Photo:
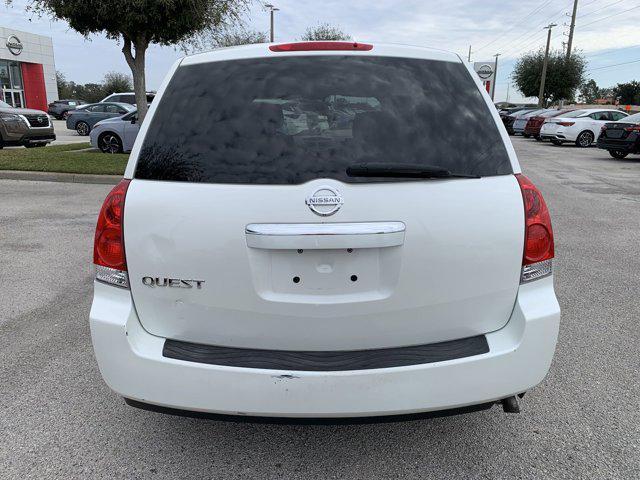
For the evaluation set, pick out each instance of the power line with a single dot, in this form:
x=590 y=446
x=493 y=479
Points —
x=609 y=16
x=609 y=51
x=517 y=41
x=613 y=65
x=601 y=8
x=536 y=10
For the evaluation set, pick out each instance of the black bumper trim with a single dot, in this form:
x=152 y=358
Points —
x=308 y=420
x=325 y=361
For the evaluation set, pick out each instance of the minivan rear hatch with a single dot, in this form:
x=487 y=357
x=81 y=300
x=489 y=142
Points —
x=244 y=228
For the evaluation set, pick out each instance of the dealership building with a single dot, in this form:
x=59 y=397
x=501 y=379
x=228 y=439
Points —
x=27 y=69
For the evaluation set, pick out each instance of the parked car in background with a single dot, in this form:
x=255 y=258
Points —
x=534 y=124
x=509 y=119
x=115 y=135
x=59 y=108
x=291 y=244
x=127 y=97
x=579 y=126
x=24 y=126
x=520 y=121
x=622 y=137
x=82 y=121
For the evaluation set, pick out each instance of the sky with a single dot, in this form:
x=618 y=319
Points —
x=606 y=33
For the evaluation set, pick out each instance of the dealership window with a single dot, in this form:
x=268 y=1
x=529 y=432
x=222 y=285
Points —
x=15 y=74
x=5 y=82
x=11 y=85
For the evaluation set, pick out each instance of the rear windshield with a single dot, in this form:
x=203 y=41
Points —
x=631 y=118
x=295 y=119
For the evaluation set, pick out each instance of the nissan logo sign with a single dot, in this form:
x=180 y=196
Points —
x=14 y=45
x=485 y=71
x=324 y=201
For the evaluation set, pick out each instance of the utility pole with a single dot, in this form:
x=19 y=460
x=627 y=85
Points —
x=271 y=10
x=508 y=85
x=544 y=66
x=572 y=27
x=495 y=76
x=469 y=54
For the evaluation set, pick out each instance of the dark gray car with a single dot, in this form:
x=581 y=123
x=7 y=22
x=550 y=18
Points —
x=83 y=120
x=60 y=108
x=24 y=126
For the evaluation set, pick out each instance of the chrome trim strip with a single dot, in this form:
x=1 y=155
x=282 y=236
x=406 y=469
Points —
x=302 y=229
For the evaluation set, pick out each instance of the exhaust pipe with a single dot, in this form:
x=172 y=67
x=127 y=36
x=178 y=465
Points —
x=510 y=405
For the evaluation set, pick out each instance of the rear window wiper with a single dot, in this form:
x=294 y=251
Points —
x=402 y=170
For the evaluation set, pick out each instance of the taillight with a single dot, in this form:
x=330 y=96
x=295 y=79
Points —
x=566 y=124
x=108 y=247
x=538 y=234
x=309 y=46
x=635 y=128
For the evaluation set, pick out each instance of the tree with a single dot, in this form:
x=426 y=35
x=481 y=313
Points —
x=140 y=23
x=224 y=38
x=628 y=93
x=589 y=92
x=324 y=31
x=116 y=82
x=564 y=75
x=64 y=88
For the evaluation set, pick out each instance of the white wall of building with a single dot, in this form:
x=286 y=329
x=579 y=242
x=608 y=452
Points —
x=36 y=49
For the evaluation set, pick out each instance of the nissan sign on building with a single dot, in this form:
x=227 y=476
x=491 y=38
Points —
x=485 y=71
x=27 y=70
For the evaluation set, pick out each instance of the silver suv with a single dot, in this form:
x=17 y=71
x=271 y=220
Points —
x=24 y=126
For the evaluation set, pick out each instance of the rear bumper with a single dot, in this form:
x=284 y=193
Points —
x=132 y=363
x=619 y=145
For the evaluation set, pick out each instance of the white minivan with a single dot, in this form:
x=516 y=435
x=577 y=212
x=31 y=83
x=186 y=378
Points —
x=323 y=230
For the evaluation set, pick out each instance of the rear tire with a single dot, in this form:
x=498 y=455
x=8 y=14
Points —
x=538 y=138
x=109 y=142
x=619 y=154
x=83 y=129
x=526 y=135
x=556 y=142
x=585 y=139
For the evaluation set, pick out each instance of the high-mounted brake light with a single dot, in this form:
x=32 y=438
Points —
x=108 y=247
x=538 y=234
x=310 y=46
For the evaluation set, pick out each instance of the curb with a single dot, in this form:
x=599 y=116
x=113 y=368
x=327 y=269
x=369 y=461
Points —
x=60 y=177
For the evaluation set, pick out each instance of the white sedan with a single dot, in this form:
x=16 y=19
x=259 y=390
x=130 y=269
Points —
x=579 y=126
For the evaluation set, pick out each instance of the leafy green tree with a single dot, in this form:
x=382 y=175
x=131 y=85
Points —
x=324 y=31
x=136 y=24
x=628 y=93
x=589 y=92
x=225 y=38
x=116 y=82
x=564 y=76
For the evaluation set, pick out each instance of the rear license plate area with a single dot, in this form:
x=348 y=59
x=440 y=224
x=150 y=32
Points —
x=325 y=272
x=614 y=133
x=325 y=275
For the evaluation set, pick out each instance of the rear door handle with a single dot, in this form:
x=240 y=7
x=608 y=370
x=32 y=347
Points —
x=292 y=236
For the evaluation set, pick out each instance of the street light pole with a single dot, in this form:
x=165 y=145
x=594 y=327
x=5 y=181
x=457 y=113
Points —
x=544 y=66
x=271 y=10
x=495 y=76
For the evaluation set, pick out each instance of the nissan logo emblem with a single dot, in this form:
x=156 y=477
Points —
x=324 y=201
x=485 y=71
x=14 y=45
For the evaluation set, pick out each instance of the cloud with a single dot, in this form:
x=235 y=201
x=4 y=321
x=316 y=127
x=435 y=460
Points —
x=511 y=27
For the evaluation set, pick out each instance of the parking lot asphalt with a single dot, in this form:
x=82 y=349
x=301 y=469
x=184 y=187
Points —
x=64 y=135
x=59 y=420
